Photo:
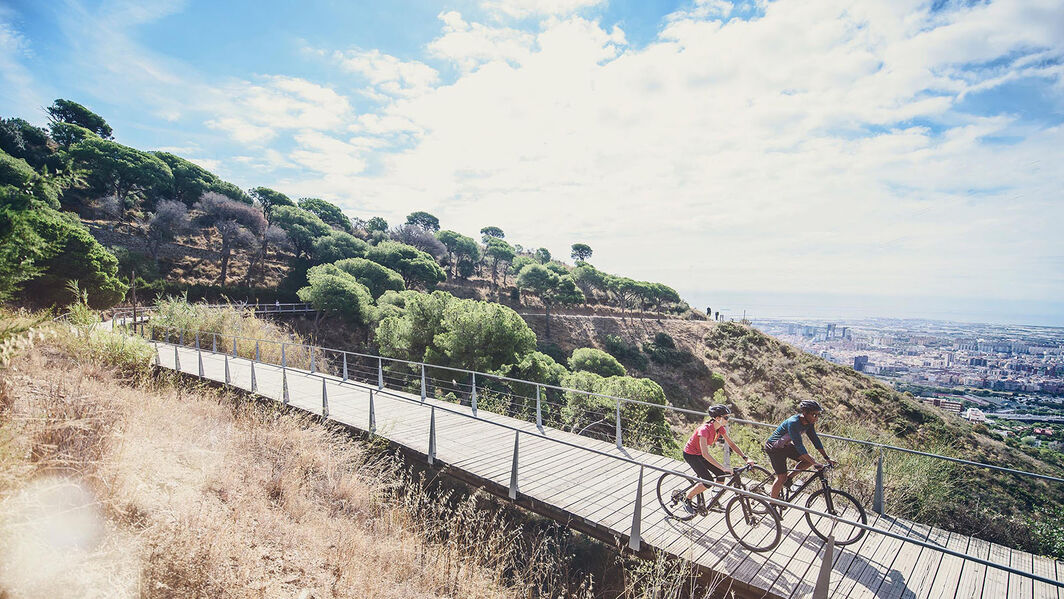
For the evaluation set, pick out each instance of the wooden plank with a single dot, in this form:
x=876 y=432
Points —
x=896 y=582
x=849 y=562
x=874 y=568
x=1020 y=586
x=1043 y=566
x=903 y=557
x=924 y=569
x=996 y=582
x=970 y=583
x=786 y=564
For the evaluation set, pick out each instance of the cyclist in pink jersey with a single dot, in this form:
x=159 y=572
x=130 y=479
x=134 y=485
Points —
x=696 y=452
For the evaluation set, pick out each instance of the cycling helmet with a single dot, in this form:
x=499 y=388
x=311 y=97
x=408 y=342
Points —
x=718 y=410
x=810 y=405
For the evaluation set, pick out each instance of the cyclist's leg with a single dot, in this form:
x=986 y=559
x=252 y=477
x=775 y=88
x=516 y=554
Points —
x=778 y=459
x=703 y=469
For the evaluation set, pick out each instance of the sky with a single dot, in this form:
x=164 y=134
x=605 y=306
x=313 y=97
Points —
x=887 y=149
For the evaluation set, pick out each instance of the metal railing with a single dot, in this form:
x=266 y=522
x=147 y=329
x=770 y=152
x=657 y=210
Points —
x=602 y=416
x=635 y=540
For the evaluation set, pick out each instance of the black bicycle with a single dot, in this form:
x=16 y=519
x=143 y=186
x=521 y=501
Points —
x=751 y=520
x=822 y=498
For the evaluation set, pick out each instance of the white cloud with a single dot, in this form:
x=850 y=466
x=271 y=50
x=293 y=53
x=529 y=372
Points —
x=528 y=8
x=471 y=44
x=388 y=74
x=257 y=112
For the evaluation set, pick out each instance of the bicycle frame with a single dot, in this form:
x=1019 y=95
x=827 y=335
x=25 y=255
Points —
x=818 y=474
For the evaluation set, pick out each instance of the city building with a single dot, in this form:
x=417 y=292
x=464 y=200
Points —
x=975 y=415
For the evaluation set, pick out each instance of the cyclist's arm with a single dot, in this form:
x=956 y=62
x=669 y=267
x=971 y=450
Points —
x=815 y=440
x=704 y=446
x=734 y=447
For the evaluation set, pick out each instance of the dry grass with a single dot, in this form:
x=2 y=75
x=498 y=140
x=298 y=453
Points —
x=197 y=498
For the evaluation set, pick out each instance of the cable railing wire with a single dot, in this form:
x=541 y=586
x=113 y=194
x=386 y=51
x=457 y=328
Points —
x=676 y=409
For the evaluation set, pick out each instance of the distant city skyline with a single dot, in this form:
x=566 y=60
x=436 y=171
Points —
x=879 y=148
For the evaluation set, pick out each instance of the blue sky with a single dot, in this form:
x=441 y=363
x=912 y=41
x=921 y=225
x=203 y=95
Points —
x=889 y=148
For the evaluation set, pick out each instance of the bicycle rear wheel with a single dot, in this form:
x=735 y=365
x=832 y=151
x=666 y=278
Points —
x=843 y=505
x=672 y=488
x=753 y=523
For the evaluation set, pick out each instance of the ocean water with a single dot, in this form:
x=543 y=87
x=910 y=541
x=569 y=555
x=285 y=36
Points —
x=732 y=304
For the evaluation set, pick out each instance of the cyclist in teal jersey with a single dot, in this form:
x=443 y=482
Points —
x=786 y=443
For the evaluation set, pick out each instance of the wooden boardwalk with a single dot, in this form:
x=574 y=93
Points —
x=598 y=492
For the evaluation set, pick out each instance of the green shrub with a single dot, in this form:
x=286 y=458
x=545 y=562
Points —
x=597 y=361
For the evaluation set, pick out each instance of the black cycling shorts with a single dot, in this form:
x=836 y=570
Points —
x=778 y=457
x=702 y=467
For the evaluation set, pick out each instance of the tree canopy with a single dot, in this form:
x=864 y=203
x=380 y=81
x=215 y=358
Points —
x=124 y=172
x=42 y=250
x=416 y=267
x=333 y=291
x=337 y=245
x=377 y=279
x=597 y=361
x=581 y=251
x=487 y=233
x=270 y=199
x=303 y=228
x=424 y=220
x=66 y=111
x=328 y=212
x=542 y=255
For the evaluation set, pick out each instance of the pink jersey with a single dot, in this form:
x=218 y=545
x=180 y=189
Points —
x=708 y=431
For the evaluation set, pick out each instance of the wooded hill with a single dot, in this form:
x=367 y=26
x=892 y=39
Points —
x=75 y=205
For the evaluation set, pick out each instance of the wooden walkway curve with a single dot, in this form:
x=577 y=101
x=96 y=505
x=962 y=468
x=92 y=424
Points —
x=597 y=493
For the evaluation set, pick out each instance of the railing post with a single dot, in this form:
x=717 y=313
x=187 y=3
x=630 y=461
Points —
x=254 y=384
x=284 y=359
x=258 y=356
x=513 y=467
x=324 y=400
x=635 y=539
x=197 y=339
x=473 y=397
x=177 y=360
x=234 y=346
x=380 y=374
x=345 y=366
x=372 y=418
x=539 y=411
x=284 y=387
x=823 y=580
x=157 y=362
x=199 y=356
x=181 y=337
x=877 y=499
x=423 y=382
x=727 y=449
x=312 y=358
x=432 y=436
x=227 y=379
x=214 y=342
x=620 y=443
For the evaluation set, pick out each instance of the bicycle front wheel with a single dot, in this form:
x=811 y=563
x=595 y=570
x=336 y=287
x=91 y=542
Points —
x=672 y=489
x=753 y=523
x=837 y=503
